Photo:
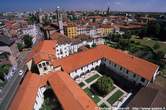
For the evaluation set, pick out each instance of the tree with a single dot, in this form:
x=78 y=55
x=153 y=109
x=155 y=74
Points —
x=143 y=32
x=123 y=44
x=115 y=37
x=157 y=29
x=127 y=35
x=160 y=54
x=156 y=46
x=20 y=46
x=32 y=19
x=4 y=70
x=27 y=41
x=104 y=85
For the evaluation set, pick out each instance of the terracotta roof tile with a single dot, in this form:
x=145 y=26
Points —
x=26 y=95
x=43 y=51
x=71 y=96
x=136 y=65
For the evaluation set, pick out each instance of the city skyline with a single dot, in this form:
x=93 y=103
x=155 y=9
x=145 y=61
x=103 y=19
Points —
x=115 y=5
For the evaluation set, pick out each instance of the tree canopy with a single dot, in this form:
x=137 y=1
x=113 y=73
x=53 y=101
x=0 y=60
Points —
x=155 y=29
x=27 y=41
x=4 y=70
x=104 y=85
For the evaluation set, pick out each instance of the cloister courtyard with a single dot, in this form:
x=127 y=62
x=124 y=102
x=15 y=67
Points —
x=115 y=98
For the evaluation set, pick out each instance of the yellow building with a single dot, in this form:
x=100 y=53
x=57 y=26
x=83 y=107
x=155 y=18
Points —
x=70 y=30
x=106 y=29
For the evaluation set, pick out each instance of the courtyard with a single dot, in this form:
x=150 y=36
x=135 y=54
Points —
x=115 y=98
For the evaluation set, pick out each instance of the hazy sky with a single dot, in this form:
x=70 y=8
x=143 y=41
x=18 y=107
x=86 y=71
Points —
x=116 y=5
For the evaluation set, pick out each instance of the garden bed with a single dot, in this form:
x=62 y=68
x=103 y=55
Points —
x=81 y=84
x=115 y=97
x=92 y=95
x=103 y=105
x=92 y=78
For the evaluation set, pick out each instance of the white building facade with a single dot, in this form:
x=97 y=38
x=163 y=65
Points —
x=64 y=50
x=34 y=31
x=114 y=67
x=39 y=98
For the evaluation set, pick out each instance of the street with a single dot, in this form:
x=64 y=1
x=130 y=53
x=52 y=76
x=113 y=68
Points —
x=12 y=85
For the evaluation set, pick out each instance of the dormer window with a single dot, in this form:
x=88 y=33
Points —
x=43 y=64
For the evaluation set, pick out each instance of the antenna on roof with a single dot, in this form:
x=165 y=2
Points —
x=108 y=9
x=58 y=7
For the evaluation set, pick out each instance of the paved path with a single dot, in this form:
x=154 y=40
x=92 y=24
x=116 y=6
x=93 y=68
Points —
x=89 y=84
x=103 y=100
x=108 y=96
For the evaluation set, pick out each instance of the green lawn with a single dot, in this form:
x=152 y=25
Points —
x=103 y=105
x=92 y=78
x=115 y=97
x=81 y=84
x=151 y=43
x=96 y=99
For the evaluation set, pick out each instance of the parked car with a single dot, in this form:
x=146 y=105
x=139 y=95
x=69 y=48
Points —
x=20 y=72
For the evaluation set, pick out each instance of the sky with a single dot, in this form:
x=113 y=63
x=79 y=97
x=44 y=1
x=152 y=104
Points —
x=115 y=5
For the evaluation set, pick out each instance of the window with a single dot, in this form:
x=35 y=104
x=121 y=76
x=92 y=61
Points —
x=47 y=63
x=45 y=68
x=43 y=64
x=40 y=65
x=142 y=79
x=61 y=52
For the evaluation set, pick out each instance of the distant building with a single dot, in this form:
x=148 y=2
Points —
x=33 y=31
x=49 y=29
x=131 y=27
x=66 y=46
x=8 y=46
x=82 y=30
x=70 y=30
x=59 y=20
x=106 y=29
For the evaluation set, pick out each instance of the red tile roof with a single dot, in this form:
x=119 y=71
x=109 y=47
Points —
x=70 y=94
x=26 y=95
x=43 y=51
x=106 y=26
x=136 y=65
x=130 y=26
